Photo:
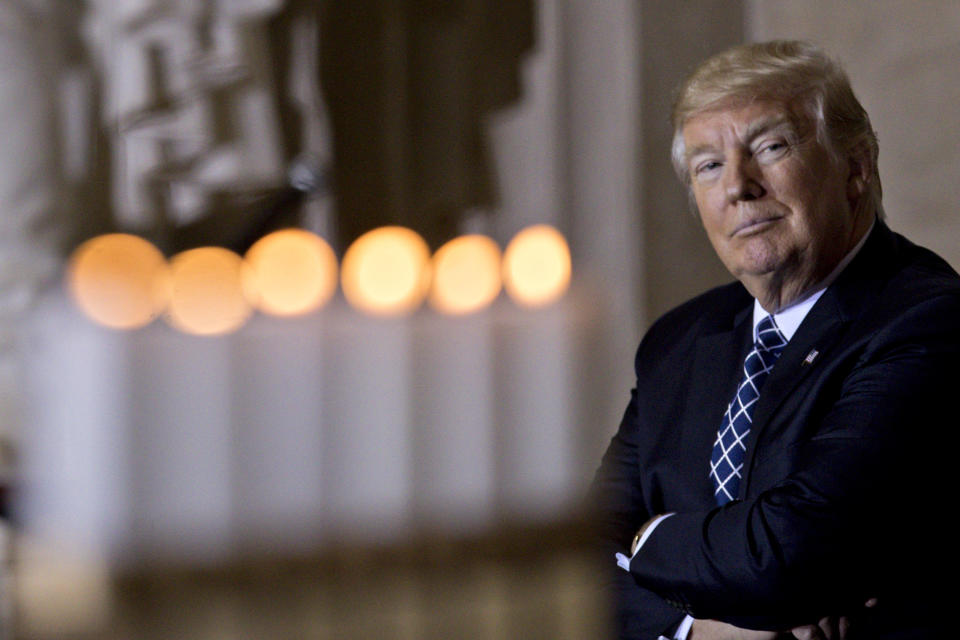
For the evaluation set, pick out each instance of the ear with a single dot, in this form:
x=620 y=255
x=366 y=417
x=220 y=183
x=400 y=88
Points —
x=860 y=173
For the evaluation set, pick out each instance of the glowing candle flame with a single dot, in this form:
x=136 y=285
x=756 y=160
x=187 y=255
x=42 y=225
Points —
x=292 y=272
x=536 y=266
x=466 y=275
x=118 y=280
x=386 y=271
x=207 y=296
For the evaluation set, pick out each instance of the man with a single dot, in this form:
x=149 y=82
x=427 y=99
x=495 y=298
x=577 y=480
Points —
x=784 y=459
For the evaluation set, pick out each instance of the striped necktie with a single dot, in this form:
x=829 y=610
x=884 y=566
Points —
x=726 y=462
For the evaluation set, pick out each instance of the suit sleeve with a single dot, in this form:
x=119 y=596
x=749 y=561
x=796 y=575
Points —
x=638 y=613
x=822 y=539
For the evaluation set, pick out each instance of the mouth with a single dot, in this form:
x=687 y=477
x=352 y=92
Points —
x=754 y=225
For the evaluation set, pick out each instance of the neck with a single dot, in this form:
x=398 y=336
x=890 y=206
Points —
x=774 y=295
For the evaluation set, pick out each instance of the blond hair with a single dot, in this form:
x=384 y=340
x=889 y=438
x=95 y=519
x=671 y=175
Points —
x=792 y=73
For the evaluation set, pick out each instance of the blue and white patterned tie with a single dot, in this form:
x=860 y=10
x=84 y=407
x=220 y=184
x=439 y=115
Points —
x=726 y=462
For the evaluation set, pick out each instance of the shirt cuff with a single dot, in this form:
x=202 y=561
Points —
x=684 y=629
x=622 y=560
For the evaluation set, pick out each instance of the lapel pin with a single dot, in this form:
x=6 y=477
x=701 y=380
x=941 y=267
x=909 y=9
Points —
x=811 y=357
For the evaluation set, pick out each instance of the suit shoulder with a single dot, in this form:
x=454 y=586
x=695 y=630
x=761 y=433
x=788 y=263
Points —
x=710 y=312
x=905 y=291
x=923 y=275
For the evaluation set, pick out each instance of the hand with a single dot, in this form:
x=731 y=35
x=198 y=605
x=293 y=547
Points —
x=716 y=630
x=829 y=628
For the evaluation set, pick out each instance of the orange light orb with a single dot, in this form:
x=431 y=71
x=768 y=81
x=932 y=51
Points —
x=207 y=296
x=291 y=272
x=118 y=280
x=386 y=271
x=466 y=275
x=536 y=266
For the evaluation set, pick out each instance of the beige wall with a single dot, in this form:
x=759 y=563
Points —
x=901 y=57
x=677 y=262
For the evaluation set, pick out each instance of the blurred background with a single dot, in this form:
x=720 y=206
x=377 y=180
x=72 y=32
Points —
x=214 y=465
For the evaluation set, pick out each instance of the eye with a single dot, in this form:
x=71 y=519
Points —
x=706 y=167
x=773 y=149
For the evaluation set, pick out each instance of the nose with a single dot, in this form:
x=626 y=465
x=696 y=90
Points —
x=742 y=181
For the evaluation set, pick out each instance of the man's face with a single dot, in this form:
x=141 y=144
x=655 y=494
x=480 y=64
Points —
x=773 y=202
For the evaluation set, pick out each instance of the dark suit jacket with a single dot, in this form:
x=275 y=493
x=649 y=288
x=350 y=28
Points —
x=847 y=479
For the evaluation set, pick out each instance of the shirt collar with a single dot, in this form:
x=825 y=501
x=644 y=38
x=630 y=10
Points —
x=789 y=318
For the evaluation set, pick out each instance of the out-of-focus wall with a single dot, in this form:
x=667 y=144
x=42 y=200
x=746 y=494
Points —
x=678 y=262
x=28 y=182
x=901 y=59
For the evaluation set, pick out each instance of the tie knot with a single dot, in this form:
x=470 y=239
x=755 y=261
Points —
x=769 y=336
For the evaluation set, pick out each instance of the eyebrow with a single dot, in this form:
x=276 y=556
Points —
x=758 y=128
x=754 y=130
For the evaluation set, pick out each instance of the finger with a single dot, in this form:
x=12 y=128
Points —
x=828 y=626
x=807 y=632
x=872 y=602
x=844 y=626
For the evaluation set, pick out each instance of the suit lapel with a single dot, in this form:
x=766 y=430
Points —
x=806 y=351
x=818 y=335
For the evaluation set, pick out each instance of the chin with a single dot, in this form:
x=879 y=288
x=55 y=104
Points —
x=761 y=259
